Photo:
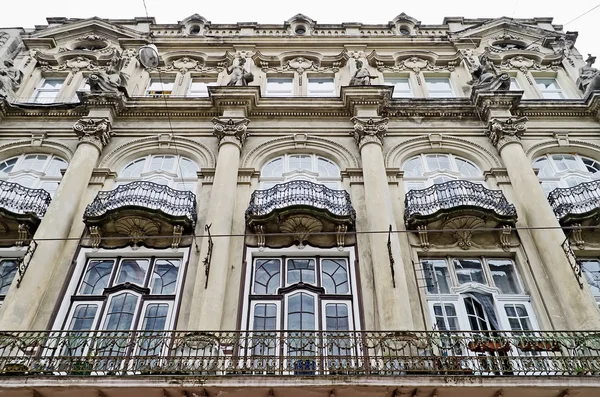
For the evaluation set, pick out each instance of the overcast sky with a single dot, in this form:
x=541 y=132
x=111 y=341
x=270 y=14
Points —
x=34 y=12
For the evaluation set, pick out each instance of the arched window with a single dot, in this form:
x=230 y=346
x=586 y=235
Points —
x=36 y=171
x=565 y=170
x=425 y=170
x=308 y=167
x=177 y=172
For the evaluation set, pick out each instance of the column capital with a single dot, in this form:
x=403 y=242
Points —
x=371 y=130
x=502 y=131
x=231 y=130
x=111 y=101
x=96 y=131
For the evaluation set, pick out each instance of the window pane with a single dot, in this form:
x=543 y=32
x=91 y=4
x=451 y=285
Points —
x=466 y=168
x=119 y=316
x=199 y=88
x=134 y=169
x=591 y=165
x=301 y=312
x=591 y=271
x=469 y=270
x=336 y=317
x=543 y=164
x=300 y=271
x=439 y=87
x=267 y=276
x=514 y=85
x=8 y=269
x=265 y=317
x=445 y=320
x=318 y=86
x=83 y=317
x=436 y=276
x=413 y=167
x=549 y=88
x=327 y=168
x=401 y=86
x=504 y=275
x=476 y=315
x=96 y=277
x=155 y=317
x=280 y=86
x=187 y=168
x=273 y=168
x=438 y=162
x=335 y=276
x=53 y=83
x=55 y=166
x=133 y=271
x=8 y=165
x=164 y=277
x=517 y=317
x=565 y=162
x=300 y=162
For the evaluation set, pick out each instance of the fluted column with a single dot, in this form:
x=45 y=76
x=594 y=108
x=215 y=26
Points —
x=578 y=307
x=393 y=309
x=22 y=304
x=211 y=287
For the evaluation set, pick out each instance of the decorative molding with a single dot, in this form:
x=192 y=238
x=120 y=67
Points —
x=100 y=175
x=499 y=174
x=463 y=229
x=369 y=130
x=299 y=65
x=355 y=175
x=231 y=130
x=245 y=175
x=416 y=64
x=502 y=132
x=300 y=227
x=37 y=138
x=95 y=131
x=188 y=64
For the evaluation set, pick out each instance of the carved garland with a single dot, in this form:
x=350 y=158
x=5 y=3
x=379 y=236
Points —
x=415 y=64
x=300 y=65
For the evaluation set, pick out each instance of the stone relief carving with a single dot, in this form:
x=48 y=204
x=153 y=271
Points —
x=10 y=79
x=300 y=65
x=485 y=75
x=96 y=131
x=362 y=75
x=369 y=130
x=589 y=77
x=415 y=64
x=463 y=228
x=111 y=79
x=300 y=227
x=500 y=132
x=239 y=75
x=233 y=131
x=524 y=64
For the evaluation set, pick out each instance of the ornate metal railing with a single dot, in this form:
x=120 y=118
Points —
x=575 y=200
x=23 y=200
x=176 y=203
x=452 y=194
x=275 y=353
x=337 y=202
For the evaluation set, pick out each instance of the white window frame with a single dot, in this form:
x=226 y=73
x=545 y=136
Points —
x=40 y=176
x=559 y=177
x=451 y=91
x=393 y=81
x=206 y=81
x=427 y=176
x=312 y=92
x=270 y=92
x=174 y=176
x=560 y=91
x=162 y=83
x=312 y=175
x=35 y=98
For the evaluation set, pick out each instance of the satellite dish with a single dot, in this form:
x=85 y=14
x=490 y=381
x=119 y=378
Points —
x=148 y=55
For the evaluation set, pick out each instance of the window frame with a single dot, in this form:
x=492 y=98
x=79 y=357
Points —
x=559 y=178
x=288 y=174
x=321 y=93
x=41 y=176
x=541 y=92
x=392 y=81
x=429 y=77
x=280 y=93
x=174 y=176
x=39 y=88
x=427 y=176
x=162 y=81
x=207 y=81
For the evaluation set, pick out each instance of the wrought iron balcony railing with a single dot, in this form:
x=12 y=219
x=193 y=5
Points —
x=175 y=203
x=304 y=193
x=318 y=353
x=446 y=196
x=22 y=200
x=581 y=199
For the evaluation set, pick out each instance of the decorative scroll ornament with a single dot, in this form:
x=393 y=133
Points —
x=500 y=132
x=186 y=64
x=96 y=131
x=300 y=65
x=232 y=131
x=371 y=130
x=415 y=64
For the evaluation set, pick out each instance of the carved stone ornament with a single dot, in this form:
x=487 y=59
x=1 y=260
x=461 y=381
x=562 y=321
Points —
x=231 y=130
x=500 y=132
x=369 y=130
x=300 y=65
x=96 y=131
x=463 y=229
x=415 y=64
x=300 y=228
x=485 y=75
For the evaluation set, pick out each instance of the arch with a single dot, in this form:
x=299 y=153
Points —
x=584 y=148
x=16 y=148
x=122 y=155
x=469 y=150
x=270 y=149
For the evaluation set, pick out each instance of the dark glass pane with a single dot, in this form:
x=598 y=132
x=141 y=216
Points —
x=155 y=317
x=301 y=271
x=267 y=276
x=8 y=269
x=83 y=318
x=504 y=275
x=469 y=270
x=96 y=277
x=133 y=271
x=164 y=277
x=120 y=312
x=335 y=276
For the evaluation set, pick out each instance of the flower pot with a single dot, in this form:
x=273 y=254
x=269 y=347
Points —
x=487 y=346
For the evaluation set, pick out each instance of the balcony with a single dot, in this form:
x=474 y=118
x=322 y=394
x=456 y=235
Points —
x=577 y=204
x=301 y=212
x=21 y=210
x=301 y=353
x=141 y=213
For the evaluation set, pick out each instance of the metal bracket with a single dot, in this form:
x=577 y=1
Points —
x=572 y=259
x=389 y=246
x=25 y=260
x=206 y=261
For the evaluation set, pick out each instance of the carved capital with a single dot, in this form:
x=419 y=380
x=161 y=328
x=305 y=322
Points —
x=369 y=130
x=95 y=131
x=231 y=130
x=504 y=131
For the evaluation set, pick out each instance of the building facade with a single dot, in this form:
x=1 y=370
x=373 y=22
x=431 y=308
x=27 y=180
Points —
x=335 y=210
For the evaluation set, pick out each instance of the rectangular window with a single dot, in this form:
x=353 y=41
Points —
x=47 y=91
x=469 y=271
x=402 y=88
x=439 y=87
x=549 y=88
x=199 y=87
x=514 y=84
x=321 y=86
x=591 y=271
x=8 y=271
x=517 y=317
x=504 y=276
x=280 y=86
x=160 y=87
x=437 y=276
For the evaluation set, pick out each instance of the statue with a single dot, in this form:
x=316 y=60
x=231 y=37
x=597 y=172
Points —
x=10 y=79
x=239 y=75
x=110 y=80
x=361 y=76
x=589 y=77
x=486 y=76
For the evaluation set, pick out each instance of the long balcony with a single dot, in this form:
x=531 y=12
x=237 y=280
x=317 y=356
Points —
x=300 y=353
x=458 y=197
x=138 y=211
x=576 y=204
x=298 y=208
x=21 y=210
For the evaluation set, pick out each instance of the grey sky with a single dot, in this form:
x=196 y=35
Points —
x=323 y=11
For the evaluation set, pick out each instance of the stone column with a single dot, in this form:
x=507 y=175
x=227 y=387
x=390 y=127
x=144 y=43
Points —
x=578 y=307
x=393 y=308
x=231 y=133
x=23 y=304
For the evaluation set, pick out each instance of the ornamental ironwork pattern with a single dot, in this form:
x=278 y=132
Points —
x=306 y=193
x=577 y=200
x=454 y=194
x=23 y=200
x=150 y=195
x=284 y=353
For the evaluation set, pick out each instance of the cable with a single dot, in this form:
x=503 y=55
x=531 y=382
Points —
x=585 y=13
